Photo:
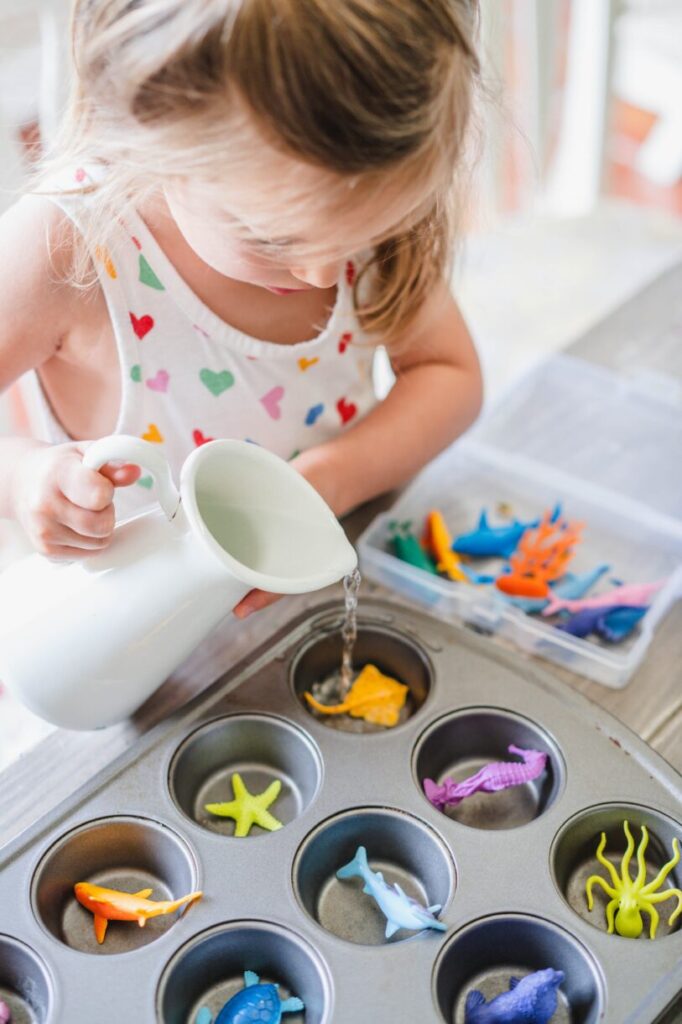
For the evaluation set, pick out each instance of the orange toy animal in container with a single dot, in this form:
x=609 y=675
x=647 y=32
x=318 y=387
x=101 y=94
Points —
x=542 y=556
x=112 y=905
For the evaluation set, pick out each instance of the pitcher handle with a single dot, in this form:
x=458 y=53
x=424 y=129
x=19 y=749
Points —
x=125 y=448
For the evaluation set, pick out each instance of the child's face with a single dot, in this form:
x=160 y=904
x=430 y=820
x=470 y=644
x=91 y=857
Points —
x=280 y=225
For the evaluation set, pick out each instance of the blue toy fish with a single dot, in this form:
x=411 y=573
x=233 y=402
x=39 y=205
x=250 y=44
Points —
x=571 y=587
x=491 y=541
x=530 y=1000
x=256 y=1002
x=613 y=622
x=400 y=910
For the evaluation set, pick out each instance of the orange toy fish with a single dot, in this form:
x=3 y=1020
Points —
x=438 y=542
x=113 y=905
x=541 y=557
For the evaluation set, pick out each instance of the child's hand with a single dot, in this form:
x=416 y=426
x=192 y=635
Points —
x=65 y=508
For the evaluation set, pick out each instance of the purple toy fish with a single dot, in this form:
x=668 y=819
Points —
x=530 y=1000
x=489 y=779
x=613 y=622
x=632 y=594
x=5 y=1013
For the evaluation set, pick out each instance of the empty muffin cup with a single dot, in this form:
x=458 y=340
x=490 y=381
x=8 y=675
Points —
x=574 y=860
x=209 y=970
x=262 y=749
x=401 y=847
x=460 y=744
x=486 y=954
x=25 y=985
x=318 y=663
x=127 y=854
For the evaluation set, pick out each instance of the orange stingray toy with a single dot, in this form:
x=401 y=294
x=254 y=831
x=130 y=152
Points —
x=373 y=696
x=542 y=556
x=112 y=905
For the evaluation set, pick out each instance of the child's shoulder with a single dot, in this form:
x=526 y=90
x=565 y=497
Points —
x=36 y=298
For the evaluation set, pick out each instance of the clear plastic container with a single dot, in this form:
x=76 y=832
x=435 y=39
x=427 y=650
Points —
x=597 y=441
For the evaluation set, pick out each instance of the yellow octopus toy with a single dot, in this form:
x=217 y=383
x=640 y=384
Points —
x=629 y=898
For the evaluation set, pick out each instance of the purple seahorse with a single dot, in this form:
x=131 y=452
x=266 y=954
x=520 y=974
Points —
x=488 y=779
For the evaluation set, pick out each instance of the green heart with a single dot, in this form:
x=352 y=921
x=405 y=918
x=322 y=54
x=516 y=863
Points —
x=216 y=382
x=148 y=277
x=136 y=373
x=146 y=481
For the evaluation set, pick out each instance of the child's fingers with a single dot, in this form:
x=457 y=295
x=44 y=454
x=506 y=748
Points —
x=254 y=601
x=97 y=525
x=84 y=487
x=53 y=538
x=121 y=474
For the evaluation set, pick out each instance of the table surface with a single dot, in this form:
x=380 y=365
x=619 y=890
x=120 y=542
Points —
x=651 y=704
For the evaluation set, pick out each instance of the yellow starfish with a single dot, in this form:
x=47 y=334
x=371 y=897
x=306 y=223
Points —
x=247 y=809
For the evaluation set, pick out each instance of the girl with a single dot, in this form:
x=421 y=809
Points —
x=248 y=196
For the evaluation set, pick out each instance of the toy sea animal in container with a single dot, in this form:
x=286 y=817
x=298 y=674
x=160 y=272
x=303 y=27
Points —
x=540 y=558
x=630 y=897
x=257 y=1001
x=491 y=778
x=610 y=622
x=530 y=1000
x=399 y=909
x=571 y=586
x=248 y=810
x=438 y=543
x=631 y=594
x=492 y=541
x=112 y=905
x=407 y=548
x=373 y=696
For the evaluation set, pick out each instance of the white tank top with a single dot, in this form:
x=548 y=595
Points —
x=188 y=377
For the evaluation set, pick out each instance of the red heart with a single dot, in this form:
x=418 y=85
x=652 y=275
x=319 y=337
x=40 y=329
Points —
x=346 y=410
x=350 y=272
x=199 y=438
x=80 y=175
x=346 y=340
x=142 y=325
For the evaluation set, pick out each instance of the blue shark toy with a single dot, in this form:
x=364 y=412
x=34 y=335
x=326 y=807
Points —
x=488 y=541
x=400 y=910
x=256 y=1002
x=530 y=1000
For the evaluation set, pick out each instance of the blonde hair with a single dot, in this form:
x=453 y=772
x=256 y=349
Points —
x=369 y=91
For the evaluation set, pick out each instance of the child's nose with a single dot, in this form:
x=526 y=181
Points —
x=319 y=277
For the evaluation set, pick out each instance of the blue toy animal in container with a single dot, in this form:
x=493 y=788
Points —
x=257 y=1002
x=530 y=1000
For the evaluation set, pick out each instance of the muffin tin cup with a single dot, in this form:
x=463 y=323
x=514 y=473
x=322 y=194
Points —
x=487 y=953
x=573 y=860
x=123 y=853
x=393 y=654
x=25 y=984
x=209 y=970
x=459 y=744
x=404 y=849
x=262 y=749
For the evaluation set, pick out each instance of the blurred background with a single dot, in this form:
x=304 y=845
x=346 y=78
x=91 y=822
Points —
x=577 y=198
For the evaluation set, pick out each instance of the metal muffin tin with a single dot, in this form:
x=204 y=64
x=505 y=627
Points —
x=507 y=867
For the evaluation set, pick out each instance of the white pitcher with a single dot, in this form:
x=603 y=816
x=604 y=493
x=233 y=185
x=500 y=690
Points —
x=84 y=643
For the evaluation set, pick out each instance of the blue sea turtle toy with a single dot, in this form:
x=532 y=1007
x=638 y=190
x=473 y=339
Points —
x=256 y=1002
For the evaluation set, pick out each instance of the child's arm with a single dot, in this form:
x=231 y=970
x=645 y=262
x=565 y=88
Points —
x=65 y=509
x=436 y=396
